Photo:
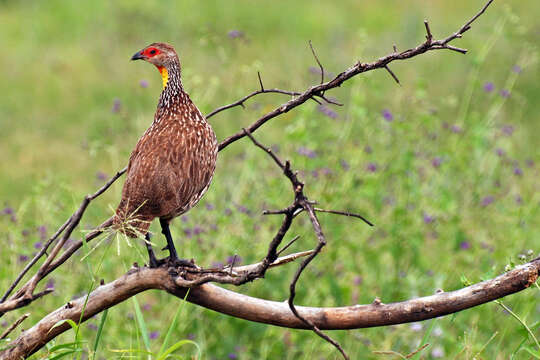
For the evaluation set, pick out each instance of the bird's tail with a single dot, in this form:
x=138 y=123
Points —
x=131 y=224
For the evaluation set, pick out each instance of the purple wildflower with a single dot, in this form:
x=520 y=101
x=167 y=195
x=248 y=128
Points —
x=188 y=232
x=344 y=164
x=23 y=258
x=232 y=356
x=50 y=284
x=25 y=232
x=197 y=230
x=368 y=149
x=233 y=258
x=519 y=199
x=153 y=335
x=185 y=218
x=8 y=211
x=358 y=280
x=500 y=152
x=235 y=34
x=518 y=171
x=437 y=352
x=38 y=245
x=146 y=307
x=371 y=167
x=92 y=326
x=117 y=105
x=428 y=219
x=306 y=152
x=436 y=162
x=209 y=206
x=504 y=93
x=143 y=83
x=42 y=230
x=464 y=245
x=228 y=211
x=100 y=175
x=456 y=129
x=315 y=173
x=4 y=323
x=326 y=171
x=517 y=69
x=489 y=87
x=327 y=111
x=507 y=130
x=190 y=336
x=243 y=209
x=217 y=265
x=487 y=200
x=387 y=115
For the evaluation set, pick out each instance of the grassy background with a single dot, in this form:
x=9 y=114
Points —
x=451 y=182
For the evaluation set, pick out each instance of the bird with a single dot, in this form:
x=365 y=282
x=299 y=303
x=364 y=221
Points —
x=173 y=163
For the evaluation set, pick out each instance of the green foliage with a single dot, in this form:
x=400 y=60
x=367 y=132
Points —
x=444 y=165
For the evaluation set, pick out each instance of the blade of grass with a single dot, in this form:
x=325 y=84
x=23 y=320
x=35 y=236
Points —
x=172 y=326
x=65 y=353
x=141 y=323
x=521 y=321
x=100 y=329
x=425 y=339
x=178 y=345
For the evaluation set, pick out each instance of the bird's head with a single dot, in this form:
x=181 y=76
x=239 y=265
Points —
x=161 y=55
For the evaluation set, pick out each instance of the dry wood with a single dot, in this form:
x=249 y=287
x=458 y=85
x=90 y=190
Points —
x=271 y=312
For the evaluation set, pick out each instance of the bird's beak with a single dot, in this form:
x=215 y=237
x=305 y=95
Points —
x=138 y=56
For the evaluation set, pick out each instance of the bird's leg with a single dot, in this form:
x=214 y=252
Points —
x=170 y=244
x=153 y=262
x=173 y=256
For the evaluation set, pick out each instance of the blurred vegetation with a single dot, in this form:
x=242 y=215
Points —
x=446 y=165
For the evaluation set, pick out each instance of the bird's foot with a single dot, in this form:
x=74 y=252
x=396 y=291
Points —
x=155 y=263
x=176 y=262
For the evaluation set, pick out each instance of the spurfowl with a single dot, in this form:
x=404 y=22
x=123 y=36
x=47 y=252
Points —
x=173 y=162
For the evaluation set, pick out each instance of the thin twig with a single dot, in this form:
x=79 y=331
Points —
x=14 y=325
x=429 y=37
x=392 y=74
x=345 y=213
x=318 y=62
x=245 y=98
x=288 y=244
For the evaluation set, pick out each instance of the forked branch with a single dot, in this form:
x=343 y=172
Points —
x=271 y=312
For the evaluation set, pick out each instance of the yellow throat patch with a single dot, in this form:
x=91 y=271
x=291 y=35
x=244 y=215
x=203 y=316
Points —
x=164 y=75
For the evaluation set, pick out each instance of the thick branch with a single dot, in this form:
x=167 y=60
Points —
x=272 y=312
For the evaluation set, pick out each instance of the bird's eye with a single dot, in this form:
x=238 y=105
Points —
x=153 y=52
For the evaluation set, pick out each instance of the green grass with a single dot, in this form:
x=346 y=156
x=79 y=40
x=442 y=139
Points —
x=64 y=63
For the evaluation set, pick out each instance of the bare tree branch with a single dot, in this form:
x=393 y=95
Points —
x=354 y=70
x=241 y=102
x=71 y=223
x=271 y=312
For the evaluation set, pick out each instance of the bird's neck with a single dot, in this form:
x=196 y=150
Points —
x=173 y=92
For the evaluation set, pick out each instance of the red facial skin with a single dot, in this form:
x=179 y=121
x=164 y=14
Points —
x=151 y=52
